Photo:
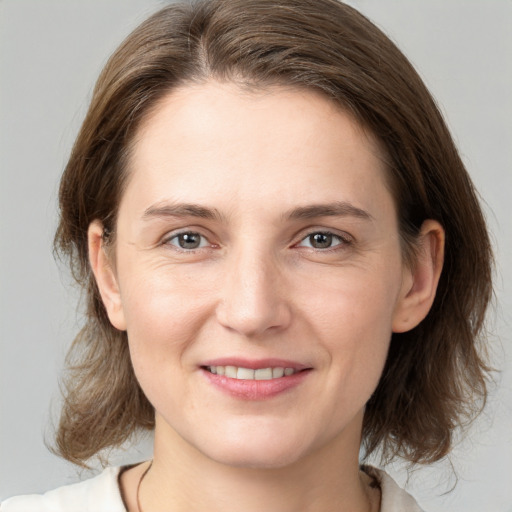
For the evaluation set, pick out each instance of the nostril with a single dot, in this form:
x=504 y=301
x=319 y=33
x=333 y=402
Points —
x=252 y=317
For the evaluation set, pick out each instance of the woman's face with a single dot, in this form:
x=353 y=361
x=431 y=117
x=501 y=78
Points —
x=256 y=238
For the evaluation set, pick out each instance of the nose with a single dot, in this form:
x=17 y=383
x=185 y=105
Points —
x=253 y=297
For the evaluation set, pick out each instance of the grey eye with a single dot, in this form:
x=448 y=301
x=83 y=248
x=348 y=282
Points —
x=188 y=241
x=323 y=240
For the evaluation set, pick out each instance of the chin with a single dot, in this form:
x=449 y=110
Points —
x=257 y=459
x=272 y=451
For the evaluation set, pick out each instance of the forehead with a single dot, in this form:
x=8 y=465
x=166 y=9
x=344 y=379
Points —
x=211 y=140
x=207 y=106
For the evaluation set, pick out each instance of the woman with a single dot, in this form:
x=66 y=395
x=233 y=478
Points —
x=283 y=255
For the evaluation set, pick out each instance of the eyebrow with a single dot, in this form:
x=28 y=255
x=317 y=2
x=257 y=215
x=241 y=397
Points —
x=336 y=209
x=164 y=210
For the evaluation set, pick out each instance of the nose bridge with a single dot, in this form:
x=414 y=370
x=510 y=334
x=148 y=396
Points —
x=253 y=297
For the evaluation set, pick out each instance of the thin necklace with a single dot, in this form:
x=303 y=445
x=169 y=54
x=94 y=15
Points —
x=139 y=508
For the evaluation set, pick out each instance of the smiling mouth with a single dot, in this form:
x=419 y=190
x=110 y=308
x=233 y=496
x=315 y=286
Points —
x=240 y=373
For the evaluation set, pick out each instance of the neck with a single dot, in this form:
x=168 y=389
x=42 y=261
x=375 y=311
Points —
x=183 y=479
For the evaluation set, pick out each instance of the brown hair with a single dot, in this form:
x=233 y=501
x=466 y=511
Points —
x=434 y=378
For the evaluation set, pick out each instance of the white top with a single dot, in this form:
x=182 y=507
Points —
x=102 y=494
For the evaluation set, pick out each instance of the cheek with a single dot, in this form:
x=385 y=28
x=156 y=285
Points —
x=162 y=324
x=157 y=295
x=353 y=301
x=163 y=312
x=352 y=318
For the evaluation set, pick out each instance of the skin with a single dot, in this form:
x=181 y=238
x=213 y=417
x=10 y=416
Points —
x=259 y=286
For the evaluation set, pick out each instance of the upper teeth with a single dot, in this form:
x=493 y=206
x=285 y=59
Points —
x=236 y=372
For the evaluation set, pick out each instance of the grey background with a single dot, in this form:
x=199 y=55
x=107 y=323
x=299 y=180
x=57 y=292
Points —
x=50 y=55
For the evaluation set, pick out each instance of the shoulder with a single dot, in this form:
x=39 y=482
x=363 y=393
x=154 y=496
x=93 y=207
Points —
x=393 y=497
x=98 y=494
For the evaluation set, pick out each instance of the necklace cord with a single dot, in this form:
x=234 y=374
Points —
x=366 y=470
x=139 y=508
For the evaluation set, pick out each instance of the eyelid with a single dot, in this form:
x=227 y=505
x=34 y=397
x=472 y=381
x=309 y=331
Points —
x=344 y=237
x=166 y=239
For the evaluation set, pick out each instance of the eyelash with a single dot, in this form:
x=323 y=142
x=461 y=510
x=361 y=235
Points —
x=168 y=241
x=343 y=241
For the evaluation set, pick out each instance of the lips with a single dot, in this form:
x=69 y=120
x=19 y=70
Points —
x=254 y=380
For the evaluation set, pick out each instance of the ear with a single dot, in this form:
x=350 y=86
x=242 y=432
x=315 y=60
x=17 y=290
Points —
x=420 y=282
x=105 y=276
